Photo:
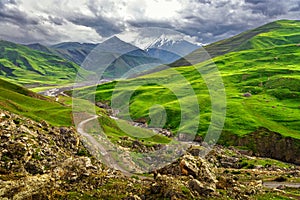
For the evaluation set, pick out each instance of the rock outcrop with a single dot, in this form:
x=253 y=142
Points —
x=266 y=143
x=38 y=161
x=201 y=178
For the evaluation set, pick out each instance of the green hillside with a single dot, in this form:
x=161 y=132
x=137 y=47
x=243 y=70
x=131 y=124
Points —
x=269 y=70
x=277 y=33
x=23 y=65
x=24 y=102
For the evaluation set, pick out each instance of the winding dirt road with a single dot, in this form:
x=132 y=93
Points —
x=277 y=184
x=98 y=147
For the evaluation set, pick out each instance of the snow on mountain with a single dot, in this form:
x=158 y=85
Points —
x=145 y=37
x=163 y=40
x=173 y=44
x=164 y=44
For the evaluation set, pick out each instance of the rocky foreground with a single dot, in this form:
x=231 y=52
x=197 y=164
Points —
x=38 y=161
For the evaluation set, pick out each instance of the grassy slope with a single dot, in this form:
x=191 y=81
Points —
x=22 y=65
x=24 y=102
x=269 y=70
x=272 y=34
x=29 y=104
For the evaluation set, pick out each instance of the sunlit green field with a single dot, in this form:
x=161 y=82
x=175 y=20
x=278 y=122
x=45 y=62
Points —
x=24 y=102
x=22 y=65
x=269 y=70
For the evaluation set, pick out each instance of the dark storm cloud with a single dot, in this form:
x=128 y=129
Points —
x=267 y=8
x=254 y=1
x=204 y=1
x=208 y=20
x=222 y=19
x=296 y=8
x=210 y=32
x=5 y=2
x=12 y=14
x=21 y=25
x=141 y=24
x=102 y=24
x=104 y=27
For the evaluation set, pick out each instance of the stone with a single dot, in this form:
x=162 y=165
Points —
x=103 y=105
x=248 y=94
x=189 y=165
x=201 y=188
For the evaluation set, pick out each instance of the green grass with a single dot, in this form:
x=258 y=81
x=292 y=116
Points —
x=273 y=83
x=271 y=73
x=282 y=32
x=250 y=163
x=22 y=65
x=21 y=101
x=24 y=102
x=115 y=130
x=271 y=195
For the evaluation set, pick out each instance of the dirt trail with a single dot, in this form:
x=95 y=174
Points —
x=277 y=184
x=107 y=158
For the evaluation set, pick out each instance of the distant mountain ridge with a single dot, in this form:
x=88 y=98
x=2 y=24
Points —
x=72 y=51
x=115 y=58
x=40 y=47
x=164 y=48
x=38 y=65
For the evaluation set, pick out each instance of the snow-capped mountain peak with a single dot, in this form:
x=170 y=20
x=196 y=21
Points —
x=165 y=44
x=173 y=44
x=164 y=40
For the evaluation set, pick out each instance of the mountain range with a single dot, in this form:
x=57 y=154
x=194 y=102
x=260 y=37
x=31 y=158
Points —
x=129 y=61
x=171 y=49
x=43 y=157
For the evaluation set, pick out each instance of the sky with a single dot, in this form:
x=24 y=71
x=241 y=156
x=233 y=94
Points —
x=92 y=21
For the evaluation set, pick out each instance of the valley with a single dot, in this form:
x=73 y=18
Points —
x=133 y=126
x=261 y=90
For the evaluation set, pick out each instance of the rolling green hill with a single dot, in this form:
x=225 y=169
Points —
x=282 y=32
x=29 y=104
x=23 y=65
x=262 y=85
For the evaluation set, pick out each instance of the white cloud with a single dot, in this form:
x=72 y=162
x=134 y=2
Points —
x=164 y=9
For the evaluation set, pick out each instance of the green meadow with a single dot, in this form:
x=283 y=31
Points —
x=261 y=76
x=22 y=65
x=29 y=104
